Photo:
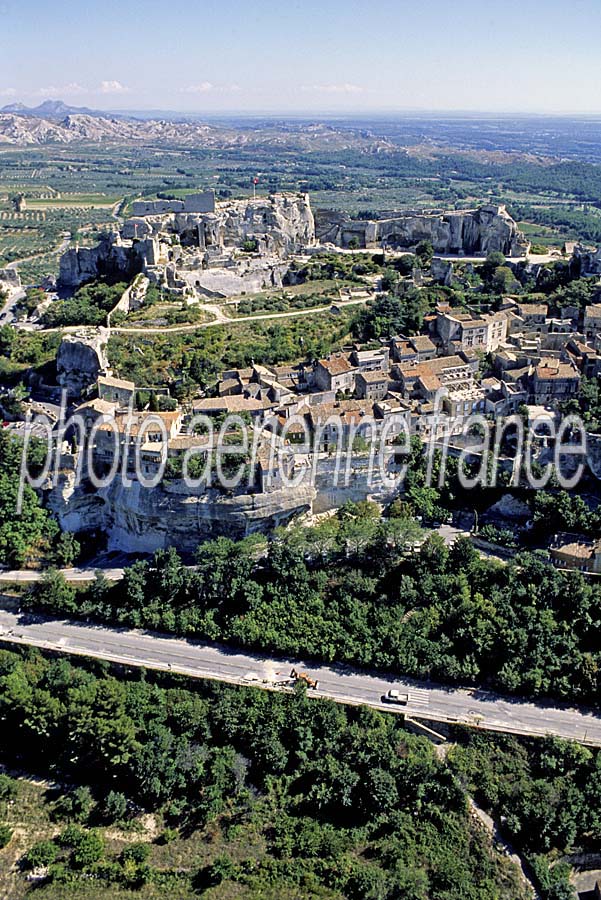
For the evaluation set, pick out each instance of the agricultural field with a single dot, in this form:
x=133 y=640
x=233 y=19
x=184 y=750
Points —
x=40 y=228
x=76 y=189
x=73 y=201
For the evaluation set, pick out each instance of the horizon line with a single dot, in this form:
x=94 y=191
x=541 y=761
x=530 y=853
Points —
x=304 y=113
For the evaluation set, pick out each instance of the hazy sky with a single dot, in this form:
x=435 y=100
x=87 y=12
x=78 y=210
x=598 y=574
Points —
x=284 y=55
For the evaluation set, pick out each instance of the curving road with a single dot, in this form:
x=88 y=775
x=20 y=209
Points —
x=339 y=683
x=222 y=319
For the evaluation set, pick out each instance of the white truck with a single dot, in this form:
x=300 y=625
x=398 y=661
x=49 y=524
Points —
x=398 y=697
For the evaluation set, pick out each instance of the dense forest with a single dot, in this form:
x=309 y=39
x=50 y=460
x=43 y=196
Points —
x=347 y=590
x=333 y=803
x=545 y=793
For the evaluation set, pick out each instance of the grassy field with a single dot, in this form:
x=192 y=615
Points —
x=544 y=235
x=73 y=201
x=299 y=296
x=160 y=314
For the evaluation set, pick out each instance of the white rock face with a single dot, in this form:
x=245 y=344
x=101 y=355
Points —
x=277 y=225
x=588 y=260
x=138 y=519
x=111 y=256
x=469 y=232
x=247 y=277
x=80 y=360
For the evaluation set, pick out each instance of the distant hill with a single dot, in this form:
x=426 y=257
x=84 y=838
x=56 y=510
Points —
x=53 y=122
x=52 y=109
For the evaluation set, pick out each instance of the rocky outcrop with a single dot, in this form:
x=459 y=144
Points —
x=111 y=257
x=246 y=277
x=284 y=222
x=279 y=224
x=273 y=226
x=441 y=270
x=9 y=278
x=465 y=232
x=141 y=519
x=80 y=360
x=586 y=260
x=138 y=519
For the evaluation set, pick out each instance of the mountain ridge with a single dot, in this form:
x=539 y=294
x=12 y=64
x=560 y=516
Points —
x=22 y=127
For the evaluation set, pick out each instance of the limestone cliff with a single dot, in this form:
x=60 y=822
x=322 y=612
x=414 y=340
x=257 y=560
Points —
x=138 y=519
x=246 y=276
x=586 y=260
x=466 y=232
x=80 y=359
x=277 y=225
x=110 y=257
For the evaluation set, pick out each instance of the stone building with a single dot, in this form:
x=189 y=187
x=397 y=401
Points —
x=371 y=385
x=592 y=321
x=335 y=374
x=464 y=331
x=553 y=381
x=570 y=551
x=116 y=390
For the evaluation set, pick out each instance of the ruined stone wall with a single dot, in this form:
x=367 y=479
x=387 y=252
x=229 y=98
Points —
x=470 y=232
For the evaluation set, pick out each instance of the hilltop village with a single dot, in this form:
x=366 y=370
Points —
x=517 y=357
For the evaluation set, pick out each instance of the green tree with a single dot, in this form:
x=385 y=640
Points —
x=25 y=536
x=493 y=260
x=8 y=788
x=88 y=850
x=424 y=252
x=8 y=337
x=114 y=807
x=504 y=281
x=75 y=805
x=52 y=594
x=42 y=854
x=66 y=549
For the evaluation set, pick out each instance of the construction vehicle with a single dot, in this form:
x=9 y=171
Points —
x=302 y=676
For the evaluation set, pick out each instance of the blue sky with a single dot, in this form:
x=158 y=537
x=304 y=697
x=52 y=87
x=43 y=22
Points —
x=288 y=56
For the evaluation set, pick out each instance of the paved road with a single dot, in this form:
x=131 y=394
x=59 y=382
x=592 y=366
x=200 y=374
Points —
x=341 y=684
x=73 y=576
x=453 y=257
x=7 y=312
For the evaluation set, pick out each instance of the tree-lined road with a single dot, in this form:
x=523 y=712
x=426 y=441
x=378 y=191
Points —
x=339 y=683
x=72 y=576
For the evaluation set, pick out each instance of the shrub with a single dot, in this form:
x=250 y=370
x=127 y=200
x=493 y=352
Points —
x=137 y=853
x=40 y=855
x=114 y=808
x=8 y=788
